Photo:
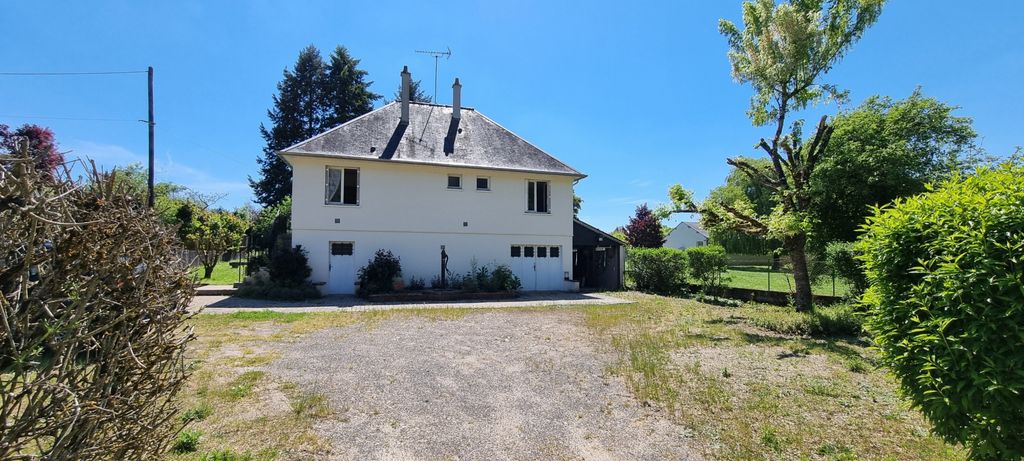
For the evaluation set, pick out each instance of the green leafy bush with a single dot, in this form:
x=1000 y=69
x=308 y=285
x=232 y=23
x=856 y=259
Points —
x=378 y=273
x=482 y=278
x=187 y=441
x=841 y=260
x=707 y=266
x=657 y=270
x=417 y=284
x=289 y=267
x=502 y=279
x=946 y=297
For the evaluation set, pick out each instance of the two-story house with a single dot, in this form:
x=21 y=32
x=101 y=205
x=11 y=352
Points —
x=416 y=179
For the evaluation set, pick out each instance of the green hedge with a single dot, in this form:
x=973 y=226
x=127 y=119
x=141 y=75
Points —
x=946 y=297
x=657 y=270
x=707 y=266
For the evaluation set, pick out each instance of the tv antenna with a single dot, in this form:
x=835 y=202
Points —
x=447 y=53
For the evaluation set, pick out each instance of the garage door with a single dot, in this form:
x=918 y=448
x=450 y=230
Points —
x=539 y=267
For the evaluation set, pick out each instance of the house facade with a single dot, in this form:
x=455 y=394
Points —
x=686 y=235
x=418 y=179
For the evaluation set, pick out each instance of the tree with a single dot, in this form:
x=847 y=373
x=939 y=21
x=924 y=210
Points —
x=41 y=144
x=346 y=90
x=882 y=150
x=739 y=188
x=312 y=97
x=209 y=233
x=416 y=94
x=644 y=229
x=782 y=53
x=577 y=204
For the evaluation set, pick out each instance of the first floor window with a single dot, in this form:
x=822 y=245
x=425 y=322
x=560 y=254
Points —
x=483 y=183
x=538 y=196
x=342 y=186
x=454 y=181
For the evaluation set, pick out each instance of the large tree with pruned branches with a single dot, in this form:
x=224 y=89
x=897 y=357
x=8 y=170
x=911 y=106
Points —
x=782 y=52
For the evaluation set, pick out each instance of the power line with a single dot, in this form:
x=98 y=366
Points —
x=109 y=72
x=77 y=119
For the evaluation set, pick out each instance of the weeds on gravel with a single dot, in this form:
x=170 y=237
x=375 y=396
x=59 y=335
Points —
x=748 y=391
x=310 y=405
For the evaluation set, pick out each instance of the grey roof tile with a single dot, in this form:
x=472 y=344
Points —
x=432 y=137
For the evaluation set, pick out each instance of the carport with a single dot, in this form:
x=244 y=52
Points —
x=598 y=259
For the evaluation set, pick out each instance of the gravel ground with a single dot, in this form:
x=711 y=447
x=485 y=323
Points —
x=491 y=385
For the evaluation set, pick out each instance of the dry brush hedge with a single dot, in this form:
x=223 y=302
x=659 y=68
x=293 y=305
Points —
x=92 y=333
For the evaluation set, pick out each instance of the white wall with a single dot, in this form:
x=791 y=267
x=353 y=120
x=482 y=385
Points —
x=409 y=210
x=684 y=236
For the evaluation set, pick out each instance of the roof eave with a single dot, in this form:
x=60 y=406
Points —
x=284 y=153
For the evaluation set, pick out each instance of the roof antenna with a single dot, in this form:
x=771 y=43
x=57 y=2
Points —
x=447 y=53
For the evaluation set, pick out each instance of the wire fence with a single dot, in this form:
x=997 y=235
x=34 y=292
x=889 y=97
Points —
x=775 y=273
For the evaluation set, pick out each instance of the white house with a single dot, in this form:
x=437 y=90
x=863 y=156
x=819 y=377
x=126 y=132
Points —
x=686 y=235
x=416 y=179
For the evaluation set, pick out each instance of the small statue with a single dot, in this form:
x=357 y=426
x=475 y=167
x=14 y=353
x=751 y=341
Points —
x=444 y=268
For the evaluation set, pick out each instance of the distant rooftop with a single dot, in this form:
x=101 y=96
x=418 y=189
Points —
x=432 y=136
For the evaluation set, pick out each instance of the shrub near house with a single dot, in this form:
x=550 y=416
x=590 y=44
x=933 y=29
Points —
x=946 y=301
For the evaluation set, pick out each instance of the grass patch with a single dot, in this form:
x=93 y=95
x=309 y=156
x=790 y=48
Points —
x=242 y=386
x=187 y=441
x=824 y=321
x=310 y=405
x=196 y=413
x=223 y=274
x=759 y=278
x=751 y=382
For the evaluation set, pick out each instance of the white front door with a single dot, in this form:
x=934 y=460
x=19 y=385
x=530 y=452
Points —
x=342 y=271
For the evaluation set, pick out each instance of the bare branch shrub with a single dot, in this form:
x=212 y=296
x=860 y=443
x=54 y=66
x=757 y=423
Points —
x=92 y=333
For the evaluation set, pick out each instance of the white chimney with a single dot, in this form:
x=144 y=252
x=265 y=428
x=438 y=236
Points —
x=406 y=83
x=456 y=99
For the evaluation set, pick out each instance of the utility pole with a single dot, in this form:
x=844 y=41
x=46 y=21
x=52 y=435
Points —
x=152 y=197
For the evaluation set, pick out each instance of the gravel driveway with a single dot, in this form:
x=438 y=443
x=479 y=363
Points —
x=491 y=385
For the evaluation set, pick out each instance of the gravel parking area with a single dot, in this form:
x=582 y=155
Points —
x=491 y=385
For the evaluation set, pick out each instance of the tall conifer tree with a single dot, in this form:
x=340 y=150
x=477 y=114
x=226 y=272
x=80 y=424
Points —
x=313 y=97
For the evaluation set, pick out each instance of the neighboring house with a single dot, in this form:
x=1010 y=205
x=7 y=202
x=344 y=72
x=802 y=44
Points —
x=418 y=179
x=686 y=235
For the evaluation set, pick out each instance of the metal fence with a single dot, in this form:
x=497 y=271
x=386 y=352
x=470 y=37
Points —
x=775 y=273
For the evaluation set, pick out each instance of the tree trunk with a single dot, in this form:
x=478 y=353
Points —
x=797 y=247
x=208 y=270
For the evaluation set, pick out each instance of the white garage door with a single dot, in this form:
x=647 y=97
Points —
x=539 y=267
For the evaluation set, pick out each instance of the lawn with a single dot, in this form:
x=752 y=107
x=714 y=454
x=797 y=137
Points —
x=744 y=383
x=223 y=274
x=760 y=278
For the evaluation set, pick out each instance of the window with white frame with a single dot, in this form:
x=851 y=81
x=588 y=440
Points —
x=483 y=183
x=454 y=181
x=342 y=186
x=538 y=196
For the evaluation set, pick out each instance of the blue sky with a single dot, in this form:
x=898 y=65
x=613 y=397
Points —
x=635 y=94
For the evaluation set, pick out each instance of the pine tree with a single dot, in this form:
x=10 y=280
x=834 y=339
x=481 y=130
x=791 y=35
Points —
x=312 y=97
x=644 y=230
x=416 y=93
x=346 y=89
